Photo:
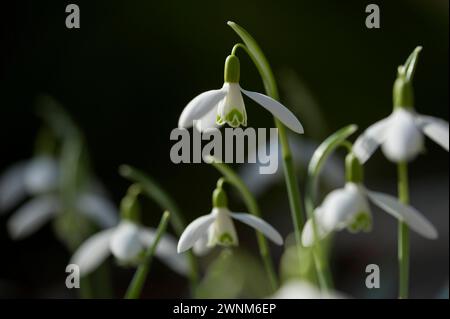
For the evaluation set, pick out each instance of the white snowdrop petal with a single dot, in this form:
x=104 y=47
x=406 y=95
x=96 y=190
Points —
x=260 y=225
x=41 y=175
x=368 y=142
x=208 y=121
x=308 y=230
x=12 y=186
x=277 y=109
x=200 y=106
x=297 y=289
x=99 y=209
x=408 y=214
x=340 y=207
x=32 y=215
x=404 y=140
x=166 y=249
x=93 y=251
x=125 y=242
x=194 y=231
x=435 y=128
x=201 y=247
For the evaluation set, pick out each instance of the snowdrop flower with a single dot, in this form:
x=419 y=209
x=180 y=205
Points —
x=39 y=177
x=298 y=289
x=217 y=228
x=226 y=105
x=127 y=242
x=401 y=135
x=348 y=207
x=36 y=176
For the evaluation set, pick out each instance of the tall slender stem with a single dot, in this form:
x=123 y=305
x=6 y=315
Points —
x=403 y=232
x=154 y=191
x=135 y=287
x=270 y=85
x=232 y=178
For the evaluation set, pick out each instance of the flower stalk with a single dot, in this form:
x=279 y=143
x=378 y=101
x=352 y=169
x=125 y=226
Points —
x=135 y=287
x=154 y=191
x=253 y=208
x=403 y=232
x=261 y=63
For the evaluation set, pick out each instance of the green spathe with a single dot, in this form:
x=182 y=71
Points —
x=353 y=169
x=232 y=69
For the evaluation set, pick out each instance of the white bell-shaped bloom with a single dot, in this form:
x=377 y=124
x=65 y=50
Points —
x=38 y=177
x=348 y=208
x=298 y=289
x=401 y=135
x=218 y=227
x=226 y=105
x=127 y=242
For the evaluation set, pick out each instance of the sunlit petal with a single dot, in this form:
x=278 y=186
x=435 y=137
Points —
x=277 y=109
x=259 y=225
x=194 y=231
x=408 y=214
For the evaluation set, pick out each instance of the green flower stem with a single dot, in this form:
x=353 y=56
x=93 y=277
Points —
x=154 y=191
x=135 y=287
x=403 y=232
x=261 y=63
x=315 y=166
x=232 y=178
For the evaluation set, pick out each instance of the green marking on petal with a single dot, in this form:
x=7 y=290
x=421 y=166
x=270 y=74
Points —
x=219 y=120
x=234 y=118
x=362 y=222
x=226 y=239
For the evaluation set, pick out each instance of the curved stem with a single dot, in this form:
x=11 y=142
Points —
x=154 y=191
x=232 y=178
x=403 y=232
x=136 y=284
x=263 y=67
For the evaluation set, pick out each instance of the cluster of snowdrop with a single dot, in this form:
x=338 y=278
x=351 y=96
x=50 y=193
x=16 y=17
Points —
x=131 y=243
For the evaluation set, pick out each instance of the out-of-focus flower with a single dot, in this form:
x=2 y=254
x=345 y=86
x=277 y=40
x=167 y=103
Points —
x=348 y=207
x=217 y=107
x=401 y=135
x=217 y=228
x=297 y=289
x=39 y=178
x=127 y=243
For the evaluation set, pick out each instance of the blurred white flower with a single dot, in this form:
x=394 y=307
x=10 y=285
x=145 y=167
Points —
x=127 y=242
x=217 y=107
x=298 y=289
x=217 y=228
x=348 y=207
x=33 y=177
x=39 y=178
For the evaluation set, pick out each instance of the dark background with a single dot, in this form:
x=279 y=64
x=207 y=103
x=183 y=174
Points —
x=128 y=72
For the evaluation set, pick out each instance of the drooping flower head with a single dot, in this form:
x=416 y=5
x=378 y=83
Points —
x=348 y=208
x=127 y=241
x=401 y=134
x=217 y=228
x=226 y=105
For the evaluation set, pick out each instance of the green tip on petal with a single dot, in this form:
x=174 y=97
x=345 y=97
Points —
x=232 y=69
x=226 y=239
x=219 y=198
x=362 y=222
x=354 y=171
